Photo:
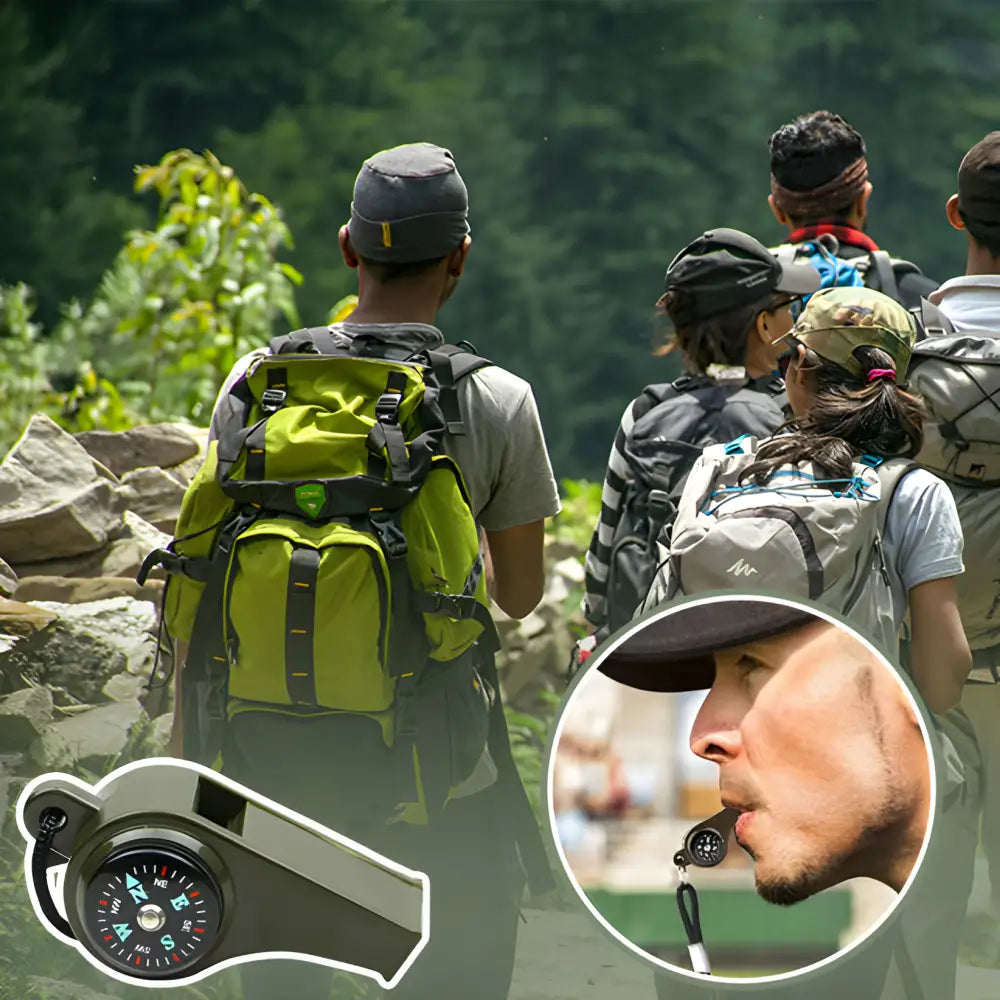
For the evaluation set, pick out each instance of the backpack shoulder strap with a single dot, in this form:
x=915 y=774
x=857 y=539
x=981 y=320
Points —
x=451 y=363
x=931 y=320
x=308 y=340
x=881 y=264
x=890 y=473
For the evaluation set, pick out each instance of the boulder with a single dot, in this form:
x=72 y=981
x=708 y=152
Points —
x=123 y=687
x=87 y=738
x=154 y=495
x=81 y=590
x=134 y=540
x=24 y=715
x=161 y=445
x=10 y=783
x=86 y=645
x=52 y=502
x=18 y=623
x=8 y=580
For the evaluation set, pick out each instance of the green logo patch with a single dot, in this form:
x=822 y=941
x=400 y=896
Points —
x=310 y=497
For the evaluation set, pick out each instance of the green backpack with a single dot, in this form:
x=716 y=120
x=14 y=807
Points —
x=327 y=561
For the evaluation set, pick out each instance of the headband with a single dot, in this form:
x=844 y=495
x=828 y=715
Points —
x=843 y=189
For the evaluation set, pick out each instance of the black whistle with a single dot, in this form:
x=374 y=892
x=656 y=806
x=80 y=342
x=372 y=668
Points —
x=706 y=844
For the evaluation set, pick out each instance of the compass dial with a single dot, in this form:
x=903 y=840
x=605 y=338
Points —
x=152 y=911
x=707 y=847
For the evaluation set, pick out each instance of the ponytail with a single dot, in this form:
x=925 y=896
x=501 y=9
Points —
x=848 y=416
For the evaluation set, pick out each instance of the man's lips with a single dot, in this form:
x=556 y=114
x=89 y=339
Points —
x=746 y=812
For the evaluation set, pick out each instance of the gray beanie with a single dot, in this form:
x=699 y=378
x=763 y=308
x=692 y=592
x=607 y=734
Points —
x=410 y=204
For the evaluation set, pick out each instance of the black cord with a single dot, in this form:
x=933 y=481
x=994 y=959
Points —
x=692 y=920
x=51 y=821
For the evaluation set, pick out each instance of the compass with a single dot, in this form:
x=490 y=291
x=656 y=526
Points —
x=152 y=910
x=707 y=847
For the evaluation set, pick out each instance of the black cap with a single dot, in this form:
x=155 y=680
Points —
x=673 y=651
x=410 y=204
x=724 y=269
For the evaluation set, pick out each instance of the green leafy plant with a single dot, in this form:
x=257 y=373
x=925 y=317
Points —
x=183 y=301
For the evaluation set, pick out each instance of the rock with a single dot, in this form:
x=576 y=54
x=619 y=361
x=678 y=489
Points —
x=86 y=646
x=121 y=558
x=18 y=623
x=10 y=783
x=23 y=716
x=52 y=504
x=569 y=569
x=161 y=445
x=8 y=580
x=81 y=590
x=87 y=738
x=123 y=687
x=154 y=495
x=61 y=989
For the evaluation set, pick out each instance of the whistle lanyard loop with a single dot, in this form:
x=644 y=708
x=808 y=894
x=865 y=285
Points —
x=687 y=904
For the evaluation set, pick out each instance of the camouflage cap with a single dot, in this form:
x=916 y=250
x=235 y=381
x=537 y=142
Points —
x=838 y=320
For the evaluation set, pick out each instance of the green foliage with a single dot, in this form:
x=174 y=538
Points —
x=22 y=359
x=182 y=302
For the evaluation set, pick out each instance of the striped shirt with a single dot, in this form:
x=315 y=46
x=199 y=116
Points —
x=616 y=479
x=756 y=412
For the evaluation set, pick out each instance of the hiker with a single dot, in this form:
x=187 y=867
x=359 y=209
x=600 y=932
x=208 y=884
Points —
x=819 y=193
x=728 y=300
x=408 y=238
x=807 y=525
x=970 y=305
x=777 y=675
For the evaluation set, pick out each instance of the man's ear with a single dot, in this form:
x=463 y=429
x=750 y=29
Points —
x=456 y=261
x=344 y=239
x=779 y=213
x=859 y=209
x=760 y=326
x=951 y=210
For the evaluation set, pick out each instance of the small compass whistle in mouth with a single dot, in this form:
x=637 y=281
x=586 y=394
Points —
x=168 y=867
x=705 y=846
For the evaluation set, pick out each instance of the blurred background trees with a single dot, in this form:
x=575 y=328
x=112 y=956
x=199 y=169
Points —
x=597 y=137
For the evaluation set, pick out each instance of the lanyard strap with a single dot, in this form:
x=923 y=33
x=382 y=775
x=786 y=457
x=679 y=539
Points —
x=687 y=904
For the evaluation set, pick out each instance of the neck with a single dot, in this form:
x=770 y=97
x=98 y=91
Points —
x=981 y=261
x=403 y=304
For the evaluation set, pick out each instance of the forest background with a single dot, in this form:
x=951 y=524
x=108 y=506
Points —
x=596 y=138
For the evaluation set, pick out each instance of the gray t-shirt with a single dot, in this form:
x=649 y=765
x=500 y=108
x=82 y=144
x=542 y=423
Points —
x=923 y=537
x=502 y=455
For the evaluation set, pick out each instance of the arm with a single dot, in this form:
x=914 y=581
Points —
x=515 y=567
x=939 y=652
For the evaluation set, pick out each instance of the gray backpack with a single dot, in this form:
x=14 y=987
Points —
x=800 y=535
x=958 y=376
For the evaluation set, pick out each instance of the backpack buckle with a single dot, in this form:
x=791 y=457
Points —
x=272 y=400
x=390 y=536
x=387 y=408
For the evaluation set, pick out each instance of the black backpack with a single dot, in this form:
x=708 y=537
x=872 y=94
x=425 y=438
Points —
x=674 y=422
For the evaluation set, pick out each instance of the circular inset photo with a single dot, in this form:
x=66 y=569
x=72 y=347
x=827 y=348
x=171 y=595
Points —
x=740 y=787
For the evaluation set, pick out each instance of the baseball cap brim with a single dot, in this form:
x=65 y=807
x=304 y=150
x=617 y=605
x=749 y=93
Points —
x=675 y=651
x=797 y=279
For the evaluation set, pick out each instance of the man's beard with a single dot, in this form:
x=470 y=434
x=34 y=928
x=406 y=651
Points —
x=878 y=838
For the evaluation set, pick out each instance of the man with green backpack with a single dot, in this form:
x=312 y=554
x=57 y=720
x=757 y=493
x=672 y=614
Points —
x=366 y=490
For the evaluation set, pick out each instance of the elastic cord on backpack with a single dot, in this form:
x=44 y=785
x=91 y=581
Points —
x=49 y=823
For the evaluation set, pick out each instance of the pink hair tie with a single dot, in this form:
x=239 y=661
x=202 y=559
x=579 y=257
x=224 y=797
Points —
x=881 y=373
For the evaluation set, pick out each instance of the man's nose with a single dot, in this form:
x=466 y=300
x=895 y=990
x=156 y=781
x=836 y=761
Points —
x=715 y=734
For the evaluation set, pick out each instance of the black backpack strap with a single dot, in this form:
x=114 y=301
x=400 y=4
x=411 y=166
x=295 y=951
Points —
x=450 y=365
x=882 y=266
x=308 y=340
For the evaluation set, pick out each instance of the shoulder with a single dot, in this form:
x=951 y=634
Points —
x=493 y=386
x=919 y=485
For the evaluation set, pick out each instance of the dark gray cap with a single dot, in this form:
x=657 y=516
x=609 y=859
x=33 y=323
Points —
x=724 y=269
x=675 y=651
x=410 y=204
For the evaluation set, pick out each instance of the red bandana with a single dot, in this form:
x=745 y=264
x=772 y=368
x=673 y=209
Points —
x=845 y=234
